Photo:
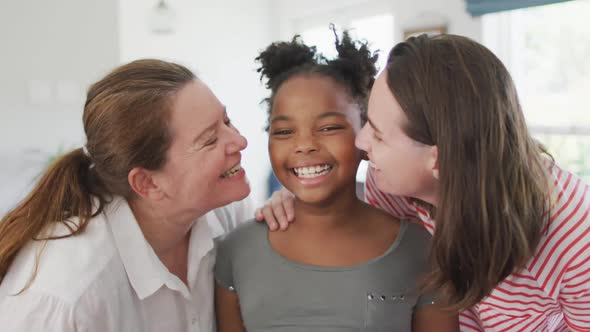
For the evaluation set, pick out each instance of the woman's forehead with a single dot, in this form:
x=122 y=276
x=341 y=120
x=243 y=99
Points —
x=195 y=109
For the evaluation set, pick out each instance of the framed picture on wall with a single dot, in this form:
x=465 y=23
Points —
x=430 y=30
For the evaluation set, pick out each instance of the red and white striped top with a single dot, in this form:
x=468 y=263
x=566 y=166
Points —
x=553 y=292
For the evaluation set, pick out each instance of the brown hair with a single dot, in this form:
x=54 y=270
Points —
x=493 y=185
x=125 y=121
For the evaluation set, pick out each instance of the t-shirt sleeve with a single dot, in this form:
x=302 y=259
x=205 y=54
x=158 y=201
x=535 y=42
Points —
x=425 y=299
x=234 y=250
x=224 y=263
x=420 y=250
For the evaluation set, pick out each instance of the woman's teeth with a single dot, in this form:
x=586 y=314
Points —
x=232 y=172
x=312 y=171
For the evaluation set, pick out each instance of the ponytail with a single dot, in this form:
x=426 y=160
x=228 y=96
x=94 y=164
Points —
x=64 y=191
x=78 y=185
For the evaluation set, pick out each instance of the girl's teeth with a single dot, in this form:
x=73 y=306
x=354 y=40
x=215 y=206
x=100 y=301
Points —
x=312 y=171
x=313 y=175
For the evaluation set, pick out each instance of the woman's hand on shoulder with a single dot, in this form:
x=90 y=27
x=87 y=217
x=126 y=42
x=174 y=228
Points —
x=278 y=211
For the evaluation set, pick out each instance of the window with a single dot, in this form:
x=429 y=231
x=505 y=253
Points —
x=547 y=50
x=377 y=29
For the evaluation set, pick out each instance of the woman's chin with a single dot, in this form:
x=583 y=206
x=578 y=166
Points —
x=237 y=191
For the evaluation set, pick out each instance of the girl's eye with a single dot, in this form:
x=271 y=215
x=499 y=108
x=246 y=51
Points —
x=227 y=122
x=377 y=138
x=282 y=132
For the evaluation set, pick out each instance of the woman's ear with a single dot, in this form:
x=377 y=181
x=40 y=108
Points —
x=433 y=161
x=142 y=183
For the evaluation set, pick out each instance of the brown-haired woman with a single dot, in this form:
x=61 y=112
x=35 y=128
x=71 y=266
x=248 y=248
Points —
x=118 y=235
x=448 y=144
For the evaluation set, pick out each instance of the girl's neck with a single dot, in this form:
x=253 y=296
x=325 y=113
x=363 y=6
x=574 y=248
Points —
x=329 y=214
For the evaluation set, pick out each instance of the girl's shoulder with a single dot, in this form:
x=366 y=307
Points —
x=416 y=234
x=248 y=234
x=410 y=233
x=379 y=215
x=383 y=221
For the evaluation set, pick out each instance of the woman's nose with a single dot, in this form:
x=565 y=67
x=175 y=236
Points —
x=237 y=142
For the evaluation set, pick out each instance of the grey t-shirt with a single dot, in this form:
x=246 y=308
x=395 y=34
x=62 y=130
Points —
x=279 y=295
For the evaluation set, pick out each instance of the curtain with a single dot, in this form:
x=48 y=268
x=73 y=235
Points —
x=481 y=7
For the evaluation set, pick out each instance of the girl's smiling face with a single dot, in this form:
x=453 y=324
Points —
x=313 y=125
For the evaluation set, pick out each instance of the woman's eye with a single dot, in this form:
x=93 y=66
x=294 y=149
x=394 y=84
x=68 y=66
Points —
x=227 y=122
x=330 y=128
x=211 y=141
x=377 y=138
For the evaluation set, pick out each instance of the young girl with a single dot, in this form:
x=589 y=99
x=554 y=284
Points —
x=511 y=228
x=344 y=266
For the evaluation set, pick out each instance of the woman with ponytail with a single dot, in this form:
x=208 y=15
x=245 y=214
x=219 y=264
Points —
x=118 y=235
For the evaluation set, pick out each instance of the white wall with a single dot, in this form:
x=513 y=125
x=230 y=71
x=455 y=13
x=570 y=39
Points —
x=51 y=51
x=407 y=14
x=219 y=41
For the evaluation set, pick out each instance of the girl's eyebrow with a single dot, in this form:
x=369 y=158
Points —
x=331 y=113
x=280 y=118
x=323 y=115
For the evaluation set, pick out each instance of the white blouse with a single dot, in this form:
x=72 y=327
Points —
x=110 y=279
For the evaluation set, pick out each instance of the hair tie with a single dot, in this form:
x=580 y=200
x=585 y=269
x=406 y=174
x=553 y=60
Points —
x=85 y=151
x=88 y=155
